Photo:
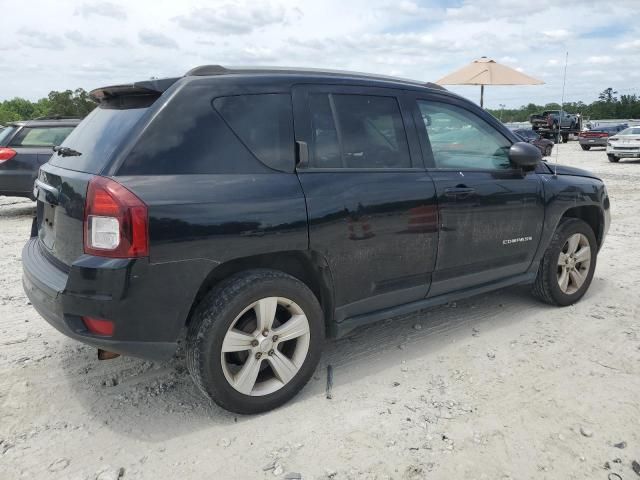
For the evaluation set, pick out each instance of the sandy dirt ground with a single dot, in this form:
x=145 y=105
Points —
x=499 y=386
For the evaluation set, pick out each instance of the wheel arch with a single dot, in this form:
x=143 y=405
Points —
x=307 y=266
x=592 y=215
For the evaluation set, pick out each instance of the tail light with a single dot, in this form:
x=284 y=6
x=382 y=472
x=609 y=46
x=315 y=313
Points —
x=115 y=221
x=98 y=326
x=6 y=154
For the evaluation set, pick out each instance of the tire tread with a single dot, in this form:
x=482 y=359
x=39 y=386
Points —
x=542 y=285
x=212 y=307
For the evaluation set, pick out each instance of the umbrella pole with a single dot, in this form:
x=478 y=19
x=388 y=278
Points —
x=481 y=96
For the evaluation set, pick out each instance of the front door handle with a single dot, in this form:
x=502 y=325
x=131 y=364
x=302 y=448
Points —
x=459 y=191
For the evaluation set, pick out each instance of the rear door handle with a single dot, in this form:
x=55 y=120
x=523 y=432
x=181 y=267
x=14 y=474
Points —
x=459 y=192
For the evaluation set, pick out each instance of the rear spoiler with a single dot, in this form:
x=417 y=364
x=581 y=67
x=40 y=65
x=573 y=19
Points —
x=146 y=88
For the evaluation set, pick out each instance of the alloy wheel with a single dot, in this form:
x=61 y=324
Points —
x=573 y=263
x=265 y=346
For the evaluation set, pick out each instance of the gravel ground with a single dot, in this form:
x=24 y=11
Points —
x=495 y=387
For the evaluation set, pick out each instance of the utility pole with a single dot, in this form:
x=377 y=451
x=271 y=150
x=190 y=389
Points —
x=502 y=105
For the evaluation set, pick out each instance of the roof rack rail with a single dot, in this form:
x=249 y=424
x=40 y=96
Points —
x=207 y=70
x=435 y=85
x=57 y=117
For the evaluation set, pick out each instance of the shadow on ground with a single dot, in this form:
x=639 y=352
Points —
x=17 y=209
x=158 y=401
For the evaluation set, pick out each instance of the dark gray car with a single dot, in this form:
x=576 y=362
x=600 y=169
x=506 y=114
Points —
x=26 y=145
x=598 y=137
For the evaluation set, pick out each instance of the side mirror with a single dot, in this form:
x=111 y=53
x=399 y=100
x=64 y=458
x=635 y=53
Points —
x=524 y=155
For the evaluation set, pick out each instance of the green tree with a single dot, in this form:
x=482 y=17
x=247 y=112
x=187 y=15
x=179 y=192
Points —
x=69 y=103
x=608 y=95
x=21 y=107
x=608 y=106
x=72 y=103
x=7 y=115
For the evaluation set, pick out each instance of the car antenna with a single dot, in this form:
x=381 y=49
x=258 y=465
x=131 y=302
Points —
x=564 y=82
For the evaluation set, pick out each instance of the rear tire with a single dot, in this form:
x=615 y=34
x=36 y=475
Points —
x=567 y=267
x=548 y=150
x=234 y=352
x=586 y=147
x=613 y=158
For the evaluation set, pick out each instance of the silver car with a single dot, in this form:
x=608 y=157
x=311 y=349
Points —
x=625 y=144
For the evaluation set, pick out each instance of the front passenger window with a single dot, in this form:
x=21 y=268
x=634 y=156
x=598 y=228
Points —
x=462 y=140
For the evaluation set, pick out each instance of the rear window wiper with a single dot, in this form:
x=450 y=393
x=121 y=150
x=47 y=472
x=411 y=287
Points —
x=66 y=151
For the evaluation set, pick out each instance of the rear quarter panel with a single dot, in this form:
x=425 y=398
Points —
x=221 y=217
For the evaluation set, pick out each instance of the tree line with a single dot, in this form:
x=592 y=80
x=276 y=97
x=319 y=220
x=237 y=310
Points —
x=608 y=106
x=68 y=103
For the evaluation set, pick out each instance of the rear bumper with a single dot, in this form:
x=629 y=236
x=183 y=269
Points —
x=593 y=142
x=632 y=152
x=147 y=324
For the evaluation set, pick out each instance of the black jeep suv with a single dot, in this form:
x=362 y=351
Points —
x=261 y=210
x=26 y=145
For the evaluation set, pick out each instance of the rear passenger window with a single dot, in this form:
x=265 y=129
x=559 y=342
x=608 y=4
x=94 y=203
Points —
x=326 y=150
x=357 y=131
x=188 y=136
x=264 y=123
x=41 y=136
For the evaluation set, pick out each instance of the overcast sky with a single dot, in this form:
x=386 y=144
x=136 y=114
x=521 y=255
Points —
x=68 y=44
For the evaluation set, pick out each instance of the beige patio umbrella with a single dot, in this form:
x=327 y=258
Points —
x=485 y=71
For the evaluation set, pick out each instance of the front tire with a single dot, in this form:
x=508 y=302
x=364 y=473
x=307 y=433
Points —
x=613 y=158
x=548 y=150
x=255 y=341
x=567 y=267
x=586 y=147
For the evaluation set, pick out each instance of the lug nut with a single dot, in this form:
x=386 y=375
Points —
x=258 y=355
x=254 y=343
x=270 y=352
x=275 y=338
x=265 y=333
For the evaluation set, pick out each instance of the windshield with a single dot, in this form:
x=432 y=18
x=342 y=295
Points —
x=630 y=131
x=97 y=137
x=5 y=133
x=527 y=134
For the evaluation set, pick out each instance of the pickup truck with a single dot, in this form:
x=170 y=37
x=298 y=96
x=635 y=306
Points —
x=554 y=119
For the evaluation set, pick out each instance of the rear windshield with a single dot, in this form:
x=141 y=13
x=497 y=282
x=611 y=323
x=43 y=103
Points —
x=97 y=137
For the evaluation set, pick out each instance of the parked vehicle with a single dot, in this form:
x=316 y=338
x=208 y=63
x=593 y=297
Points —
x=597 y=137
x=528 y=135
x=263 y=209
x=554 y=119
x=26 y=145
x=625 y=144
